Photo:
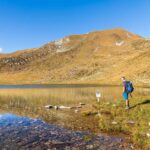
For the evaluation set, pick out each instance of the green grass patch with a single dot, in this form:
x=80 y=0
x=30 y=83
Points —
x=88 y=138
x=135 y=122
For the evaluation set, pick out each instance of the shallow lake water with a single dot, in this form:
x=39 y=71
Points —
x=25 y=133
x=21 y=105
x=29 y=100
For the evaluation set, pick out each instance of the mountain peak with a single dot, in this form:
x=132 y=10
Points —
x=96 y=56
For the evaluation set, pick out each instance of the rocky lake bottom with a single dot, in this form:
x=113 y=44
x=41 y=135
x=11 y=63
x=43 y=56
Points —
x=25 y=133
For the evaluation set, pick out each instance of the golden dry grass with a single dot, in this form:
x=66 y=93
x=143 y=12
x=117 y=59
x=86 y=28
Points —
x=92 y=58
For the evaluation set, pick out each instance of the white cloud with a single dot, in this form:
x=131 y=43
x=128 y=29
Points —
x=1 y=50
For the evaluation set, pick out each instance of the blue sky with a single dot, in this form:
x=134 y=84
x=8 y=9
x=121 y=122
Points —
x=32 y=23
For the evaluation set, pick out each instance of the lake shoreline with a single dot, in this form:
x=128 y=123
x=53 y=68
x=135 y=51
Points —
x=64 y=85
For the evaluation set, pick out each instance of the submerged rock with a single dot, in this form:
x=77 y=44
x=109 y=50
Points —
x=48 y=106
x=76 y=111
x=131 y=122
x=148 y=135
x=114 y=122
x=114 y=105
x=81 y=103
x=62 y=107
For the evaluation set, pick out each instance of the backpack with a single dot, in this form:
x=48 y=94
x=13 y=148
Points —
x=129 y=87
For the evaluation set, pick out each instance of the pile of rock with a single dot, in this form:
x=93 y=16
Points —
x=64 y=107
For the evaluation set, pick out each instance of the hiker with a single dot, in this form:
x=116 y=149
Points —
x=127 y=89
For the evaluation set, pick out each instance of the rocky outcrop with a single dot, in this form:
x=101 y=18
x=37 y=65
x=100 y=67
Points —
x=15 y=62
x=19 y=62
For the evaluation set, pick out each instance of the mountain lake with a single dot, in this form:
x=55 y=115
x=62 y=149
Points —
x=25 y=122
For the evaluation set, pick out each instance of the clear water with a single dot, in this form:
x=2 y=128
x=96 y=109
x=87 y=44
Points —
x=29 y=100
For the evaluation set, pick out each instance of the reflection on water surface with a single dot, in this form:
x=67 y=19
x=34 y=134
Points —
x=29 y=100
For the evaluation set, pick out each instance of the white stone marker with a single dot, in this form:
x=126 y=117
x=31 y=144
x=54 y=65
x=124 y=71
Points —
x=98 y=95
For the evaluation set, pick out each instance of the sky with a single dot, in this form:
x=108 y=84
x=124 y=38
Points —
x=32 y=23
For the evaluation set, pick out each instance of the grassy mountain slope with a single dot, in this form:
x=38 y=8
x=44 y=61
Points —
x=98 y=57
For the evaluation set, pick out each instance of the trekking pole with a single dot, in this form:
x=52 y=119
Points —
x=131 y=95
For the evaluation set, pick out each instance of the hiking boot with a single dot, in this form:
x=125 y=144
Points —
x=127 y=107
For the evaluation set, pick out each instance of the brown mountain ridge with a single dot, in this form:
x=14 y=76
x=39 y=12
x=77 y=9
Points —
x=100 y=57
